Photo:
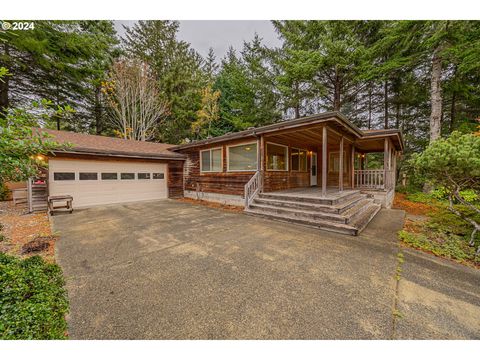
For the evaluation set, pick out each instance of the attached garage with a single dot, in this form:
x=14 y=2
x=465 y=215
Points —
x=100 y=170
x=93 y=182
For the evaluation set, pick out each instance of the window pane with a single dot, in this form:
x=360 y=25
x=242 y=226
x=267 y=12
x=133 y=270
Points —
x=158 y=176
x=303 y=160
x=276 y=157
x=243 y=157
x=127 y=176
x=60 y=176
x=217 y=160
x=88 y=176
x=143 y=176
x=295 y=160
x=109 y=176
x=205 y=160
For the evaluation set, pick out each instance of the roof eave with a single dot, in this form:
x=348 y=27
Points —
x=119 y=154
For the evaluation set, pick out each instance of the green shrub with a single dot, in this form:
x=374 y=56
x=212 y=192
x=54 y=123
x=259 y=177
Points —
x=33 y=301
x=449 y=246
x=4 y=191
x=420 y=197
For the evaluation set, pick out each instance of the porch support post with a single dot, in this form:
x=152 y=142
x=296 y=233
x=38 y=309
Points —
x=340 y=167
x=324 y=161
x=261 y=160
x=385 y=162
x=353 y=167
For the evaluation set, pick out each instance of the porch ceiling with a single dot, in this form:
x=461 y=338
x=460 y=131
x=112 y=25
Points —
x=308 y=137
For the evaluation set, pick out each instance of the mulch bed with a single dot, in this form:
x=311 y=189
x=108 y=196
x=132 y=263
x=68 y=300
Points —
x=25 y=232
x=211 y=204
x=411 y=207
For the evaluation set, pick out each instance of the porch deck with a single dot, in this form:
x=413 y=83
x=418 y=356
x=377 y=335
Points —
x=315 y=192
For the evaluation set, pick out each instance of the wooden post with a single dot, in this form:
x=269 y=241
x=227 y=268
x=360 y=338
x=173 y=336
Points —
x=261 y=166
x=385 y=162
x=352 y=167
x=340 y=167
x=324 y=161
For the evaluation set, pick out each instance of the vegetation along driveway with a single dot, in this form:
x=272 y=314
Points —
x=173 y=270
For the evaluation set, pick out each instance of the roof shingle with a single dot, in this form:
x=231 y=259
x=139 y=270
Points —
x=104 y=145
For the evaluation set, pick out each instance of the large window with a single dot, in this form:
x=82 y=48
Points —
x=242 y=157
x=277 y=157
x=211 y=160
x=334 y=162
x=299 y=159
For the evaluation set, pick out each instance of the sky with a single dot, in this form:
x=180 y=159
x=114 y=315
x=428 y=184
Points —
x=219 y=34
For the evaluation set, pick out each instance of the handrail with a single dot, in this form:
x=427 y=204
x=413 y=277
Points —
x=374 y=179
x=252 y=188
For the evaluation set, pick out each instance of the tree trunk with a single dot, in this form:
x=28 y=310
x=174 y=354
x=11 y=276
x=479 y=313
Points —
x=385 y=100
x=297 y=101
x=98 y=110
x=336 y=94
x=436 y=96
x=453 y=111
x=397 y=116
x=4 y=86
x=369 y=126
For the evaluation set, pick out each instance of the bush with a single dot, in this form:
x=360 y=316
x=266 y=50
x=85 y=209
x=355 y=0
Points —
x=4 y=191
x=33 y=301
x=449 y=246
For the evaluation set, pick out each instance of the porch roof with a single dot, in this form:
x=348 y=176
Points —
x=339 y=120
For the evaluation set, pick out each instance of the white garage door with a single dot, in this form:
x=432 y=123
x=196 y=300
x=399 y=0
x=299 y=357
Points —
x=93 y=182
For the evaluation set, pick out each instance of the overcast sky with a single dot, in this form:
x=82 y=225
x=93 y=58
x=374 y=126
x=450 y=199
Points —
x=219 y=34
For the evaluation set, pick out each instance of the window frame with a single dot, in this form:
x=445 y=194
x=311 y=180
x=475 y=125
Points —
x=221 y=160
x=237 y=145
x=65 y=172
x=306 y=159
x=287 y=157
x=162 y=173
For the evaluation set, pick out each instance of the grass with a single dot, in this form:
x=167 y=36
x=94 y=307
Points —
x=33 y=300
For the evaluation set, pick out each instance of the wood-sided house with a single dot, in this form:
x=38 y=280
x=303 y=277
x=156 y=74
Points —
x=310 y=170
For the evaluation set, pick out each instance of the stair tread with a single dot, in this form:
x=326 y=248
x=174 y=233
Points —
x=315 y=206
x=301 y=218
x=310 y=199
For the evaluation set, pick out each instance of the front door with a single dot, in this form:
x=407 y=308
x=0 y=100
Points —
x=313 y=170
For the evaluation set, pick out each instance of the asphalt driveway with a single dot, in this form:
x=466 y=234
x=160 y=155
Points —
x=172 y=270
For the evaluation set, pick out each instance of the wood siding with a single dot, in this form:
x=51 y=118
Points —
x=175 y=179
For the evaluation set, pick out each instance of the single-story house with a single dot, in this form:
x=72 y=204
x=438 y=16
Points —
x=310 y=170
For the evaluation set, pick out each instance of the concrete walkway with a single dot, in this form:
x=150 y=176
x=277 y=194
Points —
x=171 y=270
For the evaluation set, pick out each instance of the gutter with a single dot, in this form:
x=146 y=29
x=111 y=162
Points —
x=119 y=154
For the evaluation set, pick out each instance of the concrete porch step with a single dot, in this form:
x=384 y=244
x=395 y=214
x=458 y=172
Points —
x=302 y=205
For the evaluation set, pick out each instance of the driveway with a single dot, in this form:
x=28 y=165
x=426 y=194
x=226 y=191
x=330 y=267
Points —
x=173 y=270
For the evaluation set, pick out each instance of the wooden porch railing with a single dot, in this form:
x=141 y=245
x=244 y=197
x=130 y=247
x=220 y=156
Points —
x=374 y=179
x=253 y=187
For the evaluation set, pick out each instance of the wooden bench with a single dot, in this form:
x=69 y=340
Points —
x=67 y=205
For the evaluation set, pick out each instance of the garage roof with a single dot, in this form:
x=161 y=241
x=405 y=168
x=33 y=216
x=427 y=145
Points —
x=108 y=146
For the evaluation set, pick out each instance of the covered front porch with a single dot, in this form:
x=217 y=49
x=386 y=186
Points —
x=326 y=161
